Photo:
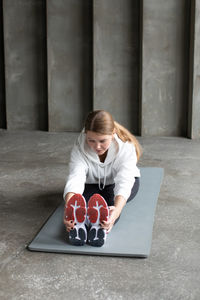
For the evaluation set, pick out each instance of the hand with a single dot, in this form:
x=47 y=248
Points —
x=113 y=215
x=68 y=224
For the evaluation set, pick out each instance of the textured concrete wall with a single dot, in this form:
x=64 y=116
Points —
x=116 y=59
x=25 y=64
x=2 y=75
x=69 y=31
x=164 y=67
x=95 y=58
x=194 y=105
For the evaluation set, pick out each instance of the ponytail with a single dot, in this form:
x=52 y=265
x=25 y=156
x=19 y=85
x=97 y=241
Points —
x=125 y=135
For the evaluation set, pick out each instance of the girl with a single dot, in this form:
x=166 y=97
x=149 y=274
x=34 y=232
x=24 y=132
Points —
x=102 y=174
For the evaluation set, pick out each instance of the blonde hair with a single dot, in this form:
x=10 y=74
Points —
x=101 y=121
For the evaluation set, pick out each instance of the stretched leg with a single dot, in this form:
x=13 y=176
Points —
x=135 y=189
x=97 y=213
x=75 y=210
x=134 y=192
x=89 y=190
x=107 y=193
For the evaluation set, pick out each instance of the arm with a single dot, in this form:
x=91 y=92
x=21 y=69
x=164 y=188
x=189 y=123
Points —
x=68 y=196
x=120 y=202
x=69 y=224
x=115 y=212
x=124 y=180
x=125 y=170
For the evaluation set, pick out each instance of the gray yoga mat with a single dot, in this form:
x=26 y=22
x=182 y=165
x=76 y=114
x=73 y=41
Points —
x=130 y=237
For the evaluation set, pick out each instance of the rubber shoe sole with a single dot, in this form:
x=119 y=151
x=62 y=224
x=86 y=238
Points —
x=96 y=236
x=75 y=211
x=97 y=212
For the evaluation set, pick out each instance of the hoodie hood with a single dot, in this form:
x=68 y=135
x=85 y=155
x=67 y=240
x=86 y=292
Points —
x=91 y=155
x=119 y=167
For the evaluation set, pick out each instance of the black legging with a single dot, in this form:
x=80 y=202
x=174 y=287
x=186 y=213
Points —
x=108 y=192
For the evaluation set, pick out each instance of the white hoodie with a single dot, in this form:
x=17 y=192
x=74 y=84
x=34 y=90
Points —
x=119 y=167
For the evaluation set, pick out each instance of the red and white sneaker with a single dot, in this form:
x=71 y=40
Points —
x=75 y=210
x=97 y=212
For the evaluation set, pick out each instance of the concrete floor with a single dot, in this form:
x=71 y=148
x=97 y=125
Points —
x=32 y=177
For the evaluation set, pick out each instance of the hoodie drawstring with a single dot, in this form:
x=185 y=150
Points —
x=104 y=179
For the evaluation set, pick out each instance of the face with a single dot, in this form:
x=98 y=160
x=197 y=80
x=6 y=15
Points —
x=98 y=142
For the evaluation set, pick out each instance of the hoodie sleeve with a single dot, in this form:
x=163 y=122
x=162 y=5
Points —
x=125 y=171
x=78 y=169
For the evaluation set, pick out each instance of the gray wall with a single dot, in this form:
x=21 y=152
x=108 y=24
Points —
x=194 y=87
x=165 y=56
x=62 y=58
x=69 y=40
x=116 y=59
x=2 y=76
x=25 y=64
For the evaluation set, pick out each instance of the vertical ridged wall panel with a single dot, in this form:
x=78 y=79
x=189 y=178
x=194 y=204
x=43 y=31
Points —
x=194 y=95
x=25 y=64
x=129 y=57
x=69 y=31
x=116 y=60
x=164 y=67
x=2 y=75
